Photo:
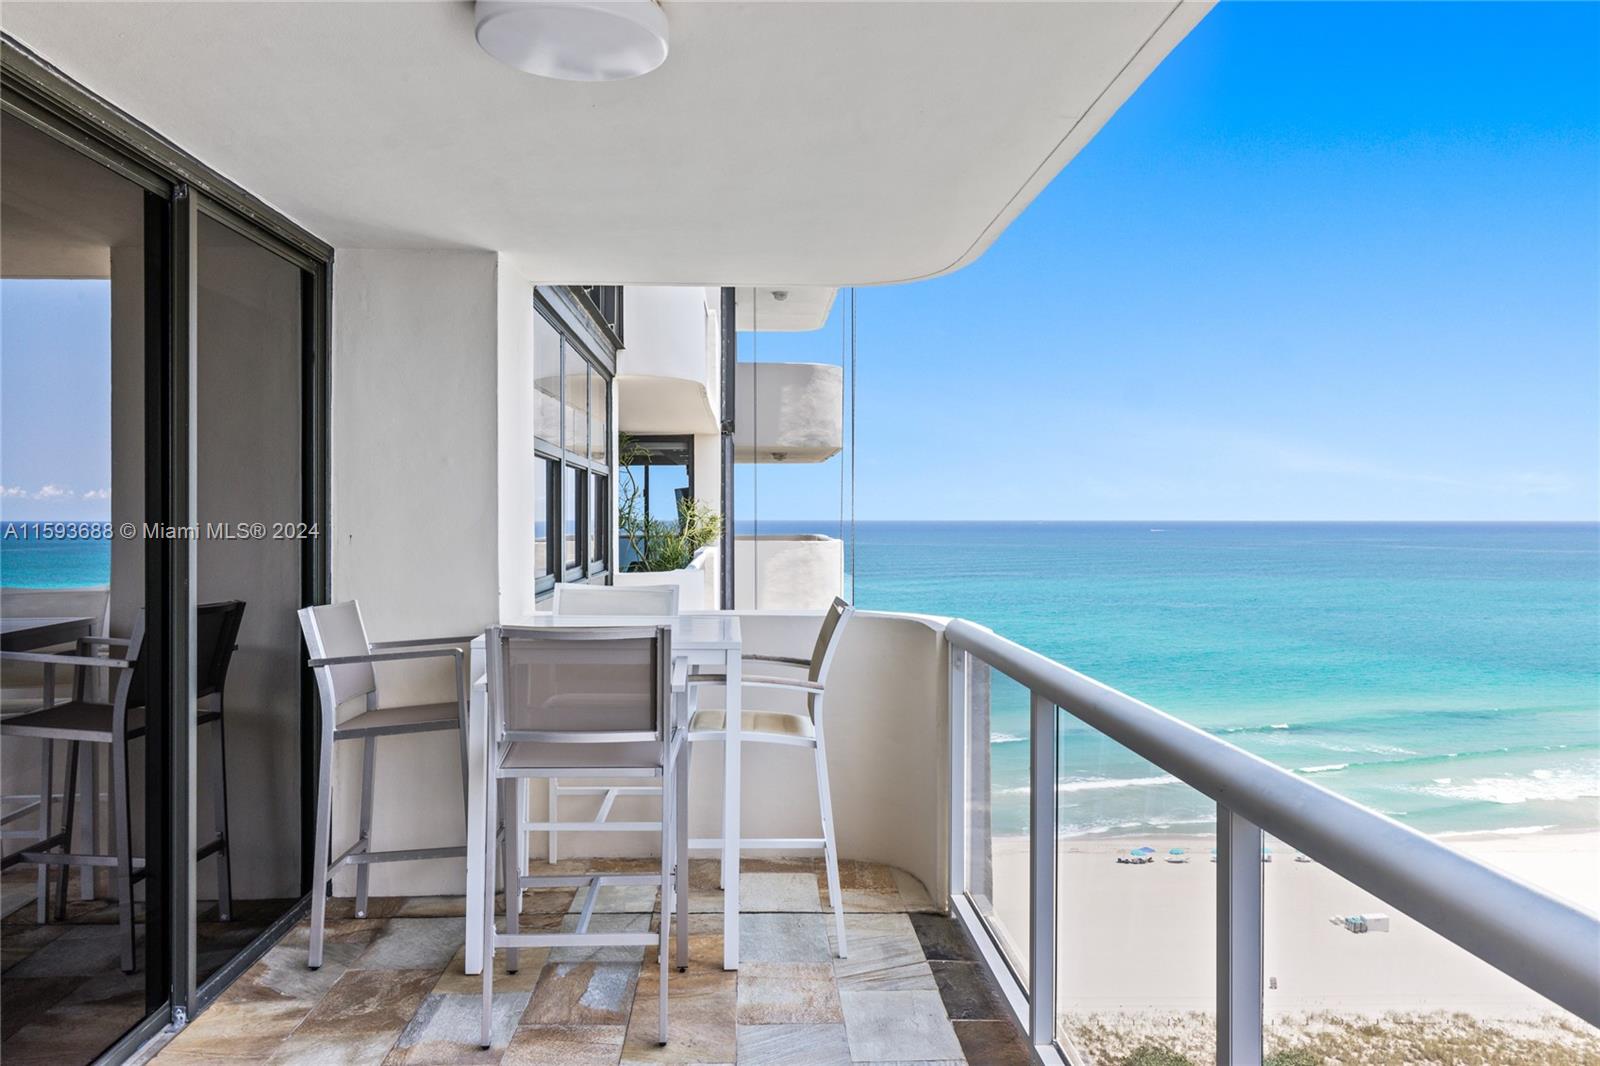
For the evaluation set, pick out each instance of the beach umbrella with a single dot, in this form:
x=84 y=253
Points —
x=1146 y=850
x=1175 y=851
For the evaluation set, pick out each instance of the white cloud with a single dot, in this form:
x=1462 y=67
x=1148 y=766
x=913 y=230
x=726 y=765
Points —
x=97 y=494
x=14 y=492
x=54 y=492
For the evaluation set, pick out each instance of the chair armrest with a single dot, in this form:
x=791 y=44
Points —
x=759 y=681
x=62 y=660
x=780 y=660
x=680 y=673
x=390 y=656
x=110 y=642
x=421 y=643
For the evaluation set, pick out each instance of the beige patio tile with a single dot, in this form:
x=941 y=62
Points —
x=784 y=993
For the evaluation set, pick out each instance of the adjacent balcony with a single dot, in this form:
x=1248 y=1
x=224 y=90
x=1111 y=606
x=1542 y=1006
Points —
x=788 y=412
x=667 y=377
x=788 y=572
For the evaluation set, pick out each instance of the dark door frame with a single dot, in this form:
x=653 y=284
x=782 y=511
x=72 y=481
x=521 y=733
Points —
x=178 y=189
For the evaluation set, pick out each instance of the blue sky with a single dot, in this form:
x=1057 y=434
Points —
x=55 y=400
x=1331 y=261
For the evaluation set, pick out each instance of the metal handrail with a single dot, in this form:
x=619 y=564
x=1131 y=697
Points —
x=1550 y=946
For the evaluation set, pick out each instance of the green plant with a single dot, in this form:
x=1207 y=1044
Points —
x=1151 y=1055
x=659 y=545
x=1293 y=1057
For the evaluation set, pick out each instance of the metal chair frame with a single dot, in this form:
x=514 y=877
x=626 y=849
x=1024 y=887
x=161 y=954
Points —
x=670 y=733
x=332 y=692
x=814 y=686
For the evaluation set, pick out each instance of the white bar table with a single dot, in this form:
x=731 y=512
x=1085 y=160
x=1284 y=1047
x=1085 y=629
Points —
x=710 y=639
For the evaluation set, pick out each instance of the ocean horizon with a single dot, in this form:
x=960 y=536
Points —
x=1446 y=674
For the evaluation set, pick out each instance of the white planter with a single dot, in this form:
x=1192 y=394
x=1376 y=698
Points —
x=692 y=581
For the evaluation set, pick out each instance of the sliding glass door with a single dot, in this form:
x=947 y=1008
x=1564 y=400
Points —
x=83 y=961
x=163 y=361
x=250 y=327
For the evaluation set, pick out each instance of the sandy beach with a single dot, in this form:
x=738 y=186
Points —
x=1140 y=940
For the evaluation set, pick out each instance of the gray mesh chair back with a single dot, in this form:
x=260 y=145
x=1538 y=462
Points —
x=595 y=601
x=606 y=685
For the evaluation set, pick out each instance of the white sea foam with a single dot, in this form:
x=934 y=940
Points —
x=1510 y=831
x=1004 y=738
x=1099 y=783
x=1096 y=784
x=1538 y=786
x=1280 y=725
x=1327 y=769
x=1441 y=780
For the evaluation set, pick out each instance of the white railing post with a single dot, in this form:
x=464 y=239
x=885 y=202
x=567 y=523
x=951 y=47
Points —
x=1042 y=881
x=1239 y=934
x=958 y=772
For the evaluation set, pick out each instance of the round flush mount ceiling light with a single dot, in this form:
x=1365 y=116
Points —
x=575 y=40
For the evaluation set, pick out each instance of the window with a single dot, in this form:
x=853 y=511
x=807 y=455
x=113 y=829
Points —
x=544 y=558
x=599 y=517
x=572 y=433
x=605 y=304
x=659 y=477
x=571 y=500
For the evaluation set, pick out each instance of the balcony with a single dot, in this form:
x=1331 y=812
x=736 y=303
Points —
x=788 y=412
x=668 y=379
x=788 y=572
x=981 y=913
x=1048 y=935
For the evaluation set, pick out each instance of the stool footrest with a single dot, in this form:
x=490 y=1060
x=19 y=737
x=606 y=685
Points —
x=758 y=843
x=583 y=880
x=407 y=855
x=575 y=940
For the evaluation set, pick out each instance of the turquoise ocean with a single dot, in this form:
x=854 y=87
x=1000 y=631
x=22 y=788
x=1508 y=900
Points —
x=1445 y=674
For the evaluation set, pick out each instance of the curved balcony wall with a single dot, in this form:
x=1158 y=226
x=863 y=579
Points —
x=788 y=412
x=667 y=377
x=786 y=573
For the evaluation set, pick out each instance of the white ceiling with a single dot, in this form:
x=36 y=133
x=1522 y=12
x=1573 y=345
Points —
x=60 y=213
x=781 y=143
x=801 y=308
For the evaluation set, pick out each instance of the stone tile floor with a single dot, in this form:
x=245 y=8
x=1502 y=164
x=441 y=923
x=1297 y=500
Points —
x=392 y=988
x=63 y=995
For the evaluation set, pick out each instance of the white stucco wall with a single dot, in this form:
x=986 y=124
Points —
x=515 y=432
x=671 y=332
x=415 y=500
x=788 y=412
x=787 y=573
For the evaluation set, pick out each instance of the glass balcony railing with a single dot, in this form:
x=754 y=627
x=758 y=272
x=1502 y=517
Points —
x=1136 y=917
x=1207 y=941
